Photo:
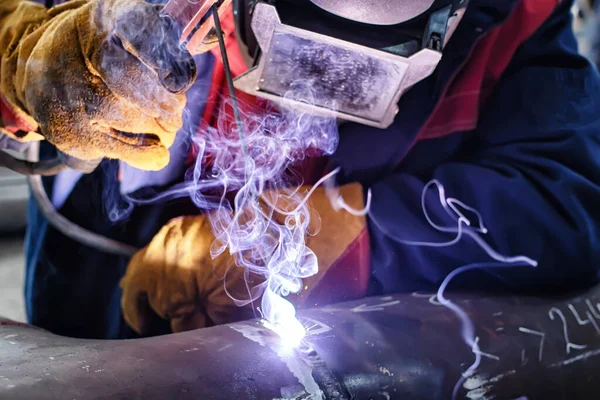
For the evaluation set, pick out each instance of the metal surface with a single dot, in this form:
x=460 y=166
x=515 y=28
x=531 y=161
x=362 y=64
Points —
x=370 y=98
x=13 y=201
x=381 y=12
x=12 y=276
x=396 y=347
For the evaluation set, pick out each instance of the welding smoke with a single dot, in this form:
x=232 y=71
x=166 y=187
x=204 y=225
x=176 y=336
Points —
x=250 y=192
x=244 y=182
x=268 y=244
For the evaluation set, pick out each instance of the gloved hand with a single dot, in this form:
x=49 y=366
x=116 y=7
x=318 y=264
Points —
x=175 y=277
x=100 y=78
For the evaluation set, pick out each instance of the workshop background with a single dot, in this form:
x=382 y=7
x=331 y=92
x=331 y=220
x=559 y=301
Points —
x=14 y=194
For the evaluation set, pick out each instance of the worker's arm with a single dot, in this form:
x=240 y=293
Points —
x=534 y=178
x=98 y=78
x=17 y=19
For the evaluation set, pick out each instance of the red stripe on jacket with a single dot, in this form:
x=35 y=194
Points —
x=10 y=119
x=458 y=109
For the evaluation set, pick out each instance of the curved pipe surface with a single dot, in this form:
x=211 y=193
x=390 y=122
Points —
x=395 y=347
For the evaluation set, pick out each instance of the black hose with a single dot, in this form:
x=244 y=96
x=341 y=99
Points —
x=55 y=219
x=71 y=230
x=44 y=168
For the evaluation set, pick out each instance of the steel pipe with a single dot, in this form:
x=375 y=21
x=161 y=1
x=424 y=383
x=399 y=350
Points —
x=396 y=347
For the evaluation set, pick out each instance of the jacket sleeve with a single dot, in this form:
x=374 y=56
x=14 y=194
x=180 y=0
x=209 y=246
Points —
x=534 y=178
x=18 y=18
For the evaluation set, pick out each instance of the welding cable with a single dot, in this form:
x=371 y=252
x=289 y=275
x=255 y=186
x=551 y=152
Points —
x=229 y=78
x=23 y=167
x=234 y=100
x=68 y=228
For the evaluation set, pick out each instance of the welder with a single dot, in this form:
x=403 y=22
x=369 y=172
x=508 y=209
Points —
x=508 y=120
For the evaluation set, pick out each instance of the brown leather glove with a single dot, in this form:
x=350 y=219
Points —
x=175 y=277
x=104 y=78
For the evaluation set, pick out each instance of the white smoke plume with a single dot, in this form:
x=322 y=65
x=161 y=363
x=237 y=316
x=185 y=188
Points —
x=273 y=249
x=240 y=184
x=240 y=174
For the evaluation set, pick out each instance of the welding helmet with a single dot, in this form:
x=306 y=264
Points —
x=348 y=59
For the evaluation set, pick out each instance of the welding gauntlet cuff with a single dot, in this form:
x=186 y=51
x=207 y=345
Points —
x=176 y=278
x=17 y=20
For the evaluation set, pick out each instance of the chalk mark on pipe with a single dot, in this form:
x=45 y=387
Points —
x=375 y=307
x=569 y=345
x=582 y=322
x=477 y=350
x=581 y=357
x=537 y=333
